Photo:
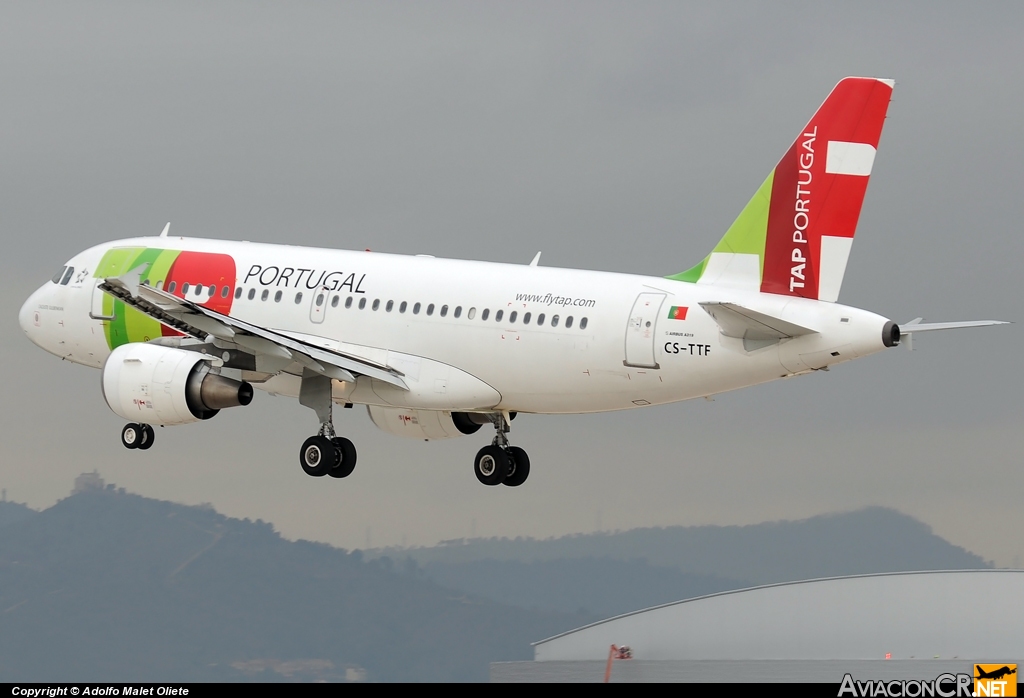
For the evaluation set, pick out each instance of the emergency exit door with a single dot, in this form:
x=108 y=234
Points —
x=318 y=306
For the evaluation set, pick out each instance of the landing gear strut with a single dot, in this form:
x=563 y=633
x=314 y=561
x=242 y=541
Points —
x=326 y=453
x=140 y=436
x=500 y=463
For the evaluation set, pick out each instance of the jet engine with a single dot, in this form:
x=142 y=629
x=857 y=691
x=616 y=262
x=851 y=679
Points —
x=425 y=424
x=151 y=384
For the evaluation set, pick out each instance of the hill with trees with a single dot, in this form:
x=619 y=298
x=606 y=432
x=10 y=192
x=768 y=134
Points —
x=611 y=573
x=109 y=586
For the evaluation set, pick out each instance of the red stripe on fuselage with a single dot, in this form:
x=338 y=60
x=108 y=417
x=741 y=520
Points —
x=208 y=269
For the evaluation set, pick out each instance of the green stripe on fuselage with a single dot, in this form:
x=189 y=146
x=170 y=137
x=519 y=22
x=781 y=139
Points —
x=129 y=325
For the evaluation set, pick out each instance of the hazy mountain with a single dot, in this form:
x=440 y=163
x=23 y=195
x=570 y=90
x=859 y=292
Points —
x=610 y=573
x=12 y=512
x=116 y=587
x=587 y=585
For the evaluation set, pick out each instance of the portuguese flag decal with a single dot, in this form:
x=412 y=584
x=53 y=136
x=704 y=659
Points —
x=677 y=312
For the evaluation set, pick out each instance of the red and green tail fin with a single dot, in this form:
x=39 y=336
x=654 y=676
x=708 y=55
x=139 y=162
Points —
x=795 y=234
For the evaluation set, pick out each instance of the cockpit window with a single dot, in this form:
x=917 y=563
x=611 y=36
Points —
x=56 y=277
x=68 y=273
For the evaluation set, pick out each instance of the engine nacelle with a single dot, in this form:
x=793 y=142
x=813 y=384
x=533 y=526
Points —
x=152 y=384
x=425 y=424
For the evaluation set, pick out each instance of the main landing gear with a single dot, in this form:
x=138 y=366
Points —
x=326 y=453
x=140 y=436
x=323 y=455
x=500 y=463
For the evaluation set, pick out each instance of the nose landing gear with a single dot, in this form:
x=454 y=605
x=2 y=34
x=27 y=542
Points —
x=500 y=463
x=140 y=436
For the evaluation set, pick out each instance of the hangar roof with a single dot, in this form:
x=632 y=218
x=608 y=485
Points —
x=943 y=614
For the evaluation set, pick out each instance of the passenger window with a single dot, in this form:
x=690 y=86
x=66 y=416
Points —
x=362 y=303
x=277 y=297
x=568 y=321
x=512 y=317
x=471 y=314
x=252 y=292
x=389 y=306
x=348 y=302
x=444 y=311
x=583 y=323
x=199 y=290
x=213 y=290
x=184 y=289
x=67 y=276
x=416 y=309
x=430 y=309
x=225 y=291
x=334 y=301
x=59 y=275
x=376 y=303
x=319 y=299
x=159 y=284
x=483 y=315
x=170 y=287
x=497 y=315
x=402 y=307
x=540 y=319
x=238 y=293
x=526 y=318
x=265 y=295
x=554 y=321
x=458 y=310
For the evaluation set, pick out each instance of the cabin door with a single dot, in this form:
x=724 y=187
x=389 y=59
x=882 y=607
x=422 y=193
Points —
x=640 y=330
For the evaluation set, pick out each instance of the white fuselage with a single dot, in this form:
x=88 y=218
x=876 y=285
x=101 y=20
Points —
x=622 y=349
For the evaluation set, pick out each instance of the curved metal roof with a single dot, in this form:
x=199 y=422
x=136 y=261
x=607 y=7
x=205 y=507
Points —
x=954 y=613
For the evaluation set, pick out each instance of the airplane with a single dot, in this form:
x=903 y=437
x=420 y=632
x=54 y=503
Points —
x=438 y=348
x=994 y=674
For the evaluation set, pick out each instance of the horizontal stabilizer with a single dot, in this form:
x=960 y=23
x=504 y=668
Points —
x=744 y=323
x=907 y=331
x=918 y=326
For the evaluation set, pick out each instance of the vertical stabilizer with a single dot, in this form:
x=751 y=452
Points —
x=795 y=234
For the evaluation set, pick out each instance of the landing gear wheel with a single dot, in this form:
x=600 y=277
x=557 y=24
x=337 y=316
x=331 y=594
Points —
x=492 y=465
x=318 y=456
x=148 y=436
x=519 y=468
x=131 y=435
x=348 y=457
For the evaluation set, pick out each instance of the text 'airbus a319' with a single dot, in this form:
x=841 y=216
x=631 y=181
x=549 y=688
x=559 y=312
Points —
x=437 y=348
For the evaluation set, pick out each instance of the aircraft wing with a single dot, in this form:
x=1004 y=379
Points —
x=196 y=321
x=744 y=323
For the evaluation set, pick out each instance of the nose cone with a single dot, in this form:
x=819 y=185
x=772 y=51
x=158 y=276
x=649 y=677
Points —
x=28 y=317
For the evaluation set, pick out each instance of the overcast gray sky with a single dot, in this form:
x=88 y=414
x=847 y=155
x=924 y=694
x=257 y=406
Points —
x=617 y=136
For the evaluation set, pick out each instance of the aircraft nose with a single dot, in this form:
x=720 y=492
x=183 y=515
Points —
x=28 y=316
